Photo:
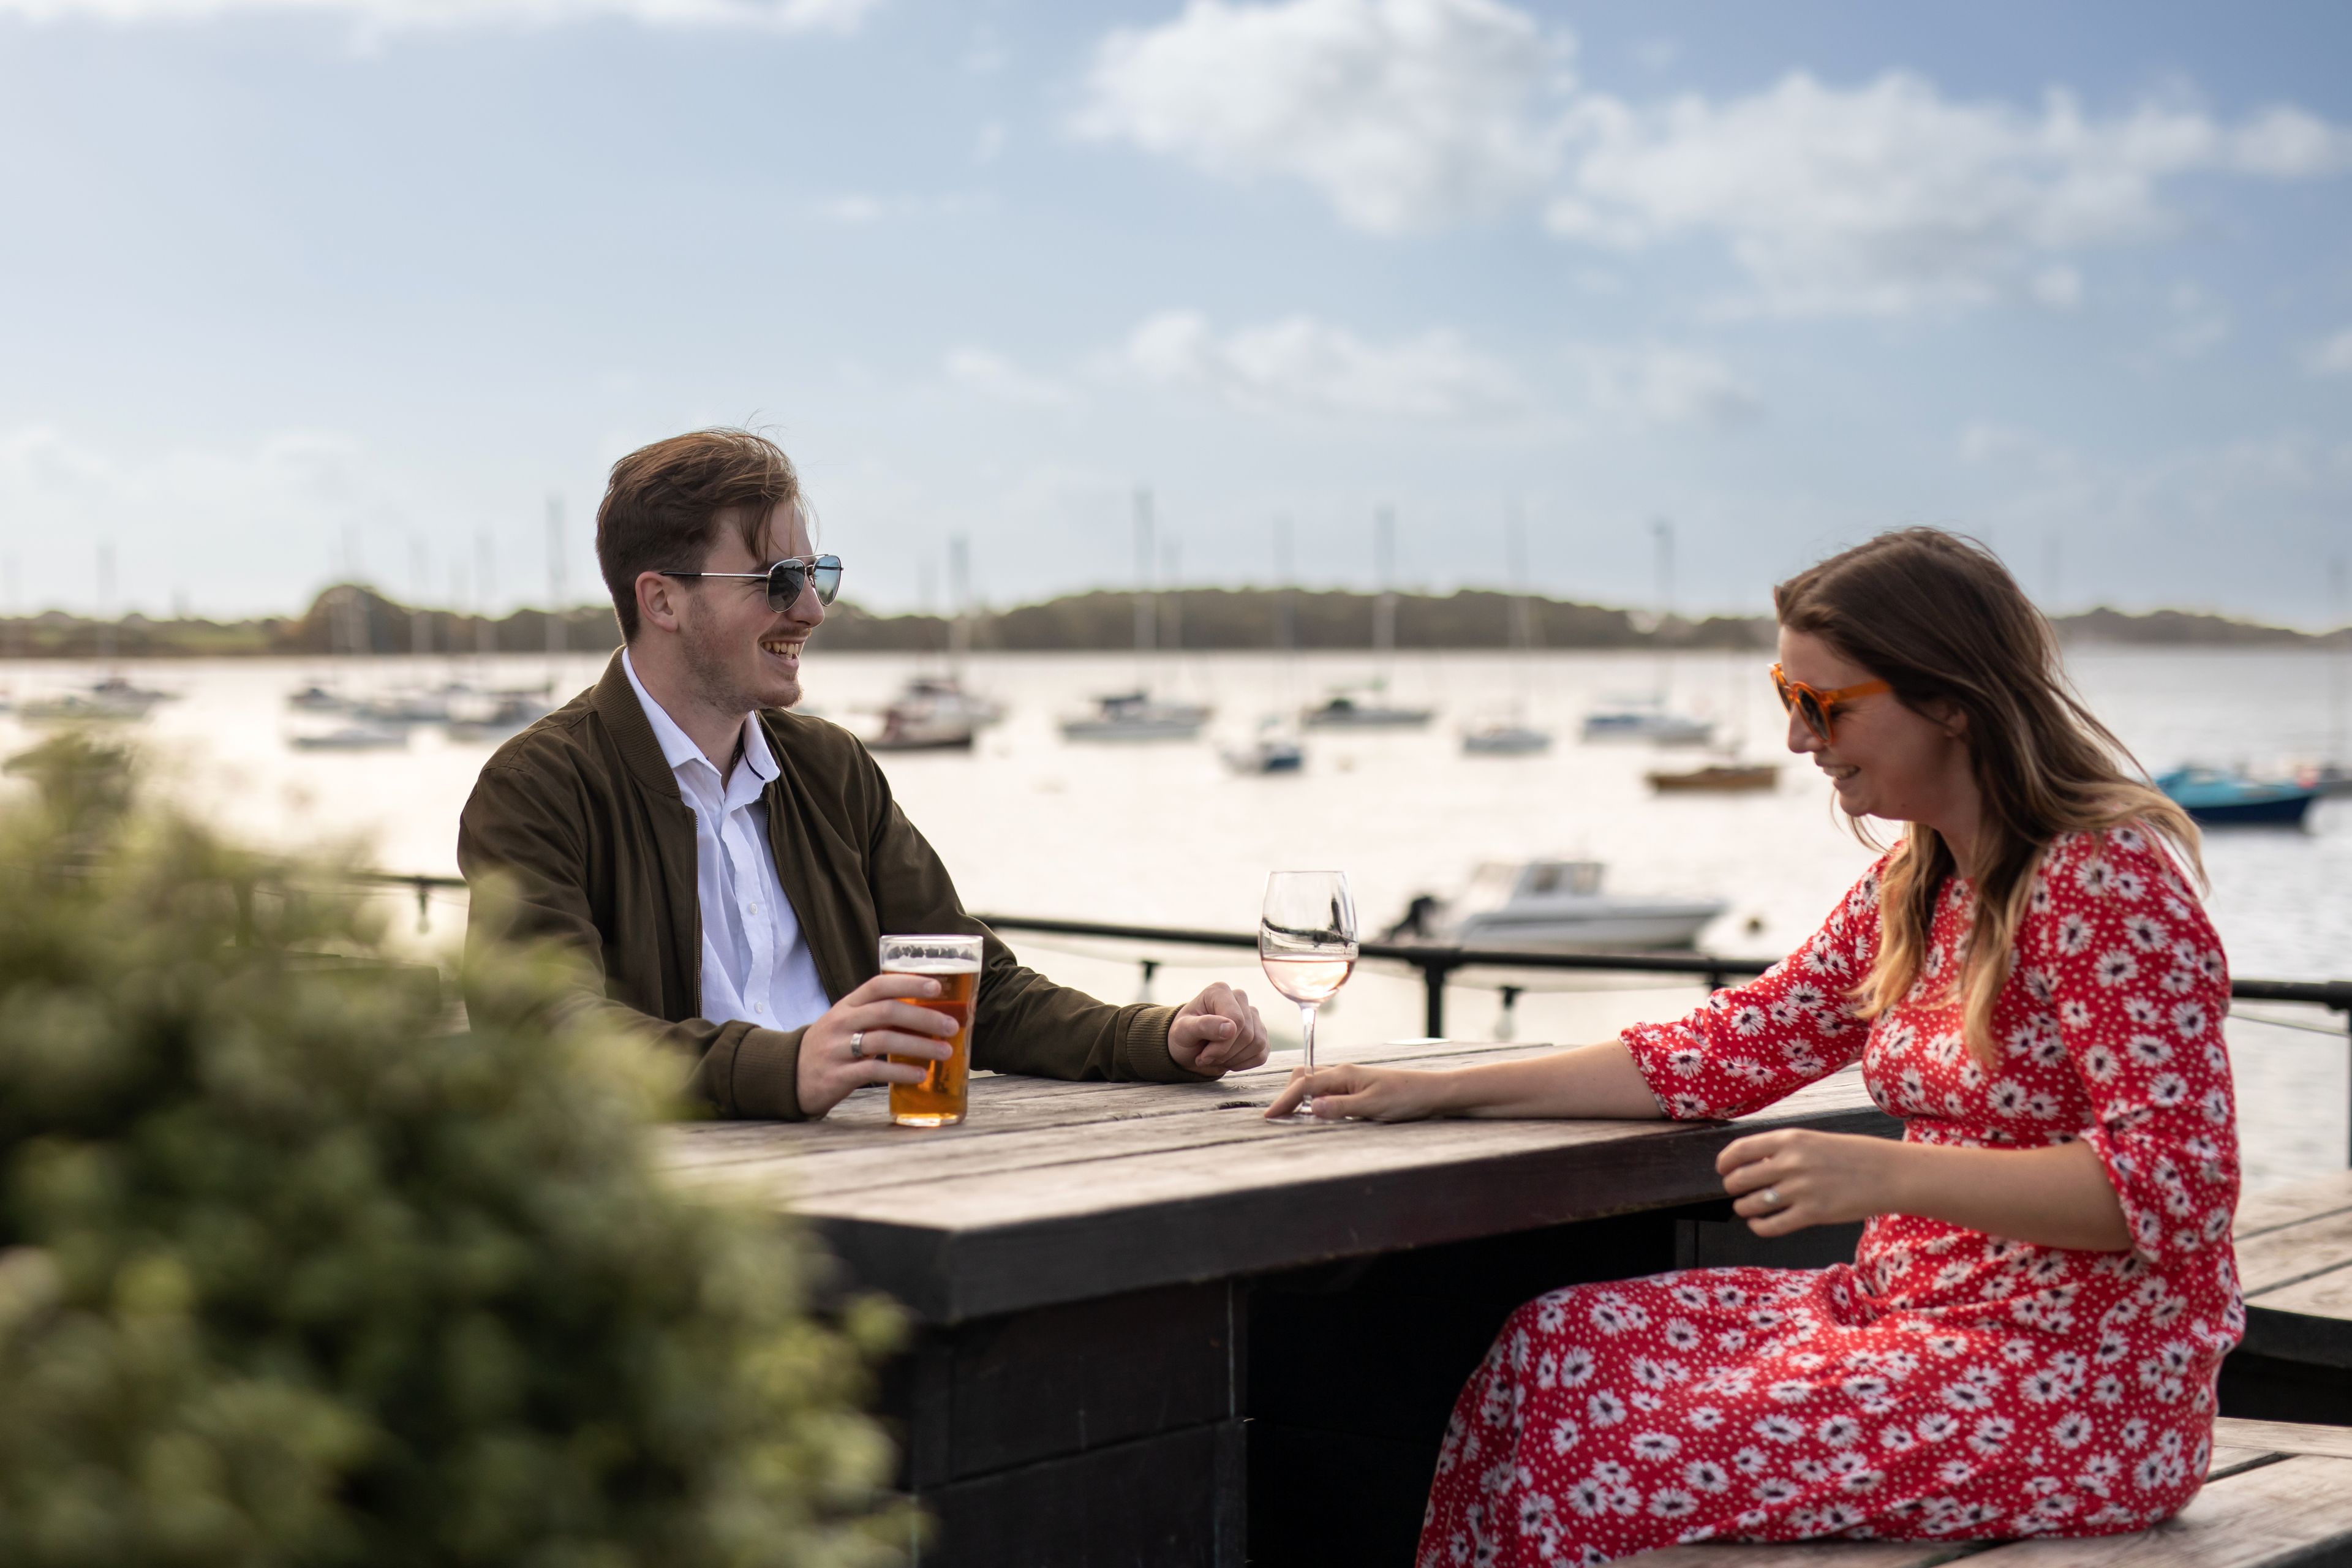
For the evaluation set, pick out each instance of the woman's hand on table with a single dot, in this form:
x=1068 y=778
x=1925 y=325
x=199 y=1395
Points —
x=1788 y=1180
x=1368 y=1094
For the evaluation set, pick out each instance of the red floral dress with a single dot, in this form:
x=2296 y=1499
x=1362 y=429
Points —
x=1947 y=1383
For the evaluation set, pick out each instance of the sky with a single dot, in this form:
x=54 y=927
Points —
x=293 y=289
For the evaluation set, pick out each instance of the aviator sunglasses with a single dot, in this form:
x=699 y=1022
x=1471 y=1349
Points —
x=1817 y=708
x=786 y=579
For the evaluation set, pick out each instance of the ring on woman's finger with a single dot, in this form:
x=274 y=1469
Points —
x=857 y=1044
x=1772 y=1196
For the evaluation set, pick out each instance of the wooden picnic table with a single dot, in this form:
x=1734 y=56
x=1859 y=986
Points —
x=1156 y=1328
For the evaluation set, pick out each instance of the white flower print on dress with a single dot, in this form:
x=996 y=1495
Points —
x=1947 y=1385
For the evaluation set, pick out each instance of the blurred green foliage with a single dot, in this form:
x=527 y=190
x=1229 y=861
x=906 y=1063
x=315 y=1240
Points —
x=290 y=1275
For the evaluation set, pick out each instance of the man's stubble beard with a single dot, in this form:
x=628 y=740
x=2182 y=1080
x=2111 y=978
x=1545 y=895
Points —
x=710 y=660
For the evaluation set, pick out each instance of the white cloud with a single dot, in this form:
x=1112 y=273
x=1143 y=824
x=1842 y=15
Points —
x=2009 y=449
x=2199 y=324
x=995 y=376
x=1402 y=113
x=1889 y=197
x=1658 y=386
x=773 y=16
x=857 y=209
x=2331 y=356
x=1882 y=198
x=1301 y=365
x=280 y=507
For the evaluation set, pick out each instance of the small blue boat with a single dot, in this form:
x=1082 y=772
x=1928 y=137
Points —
x=2226 y=800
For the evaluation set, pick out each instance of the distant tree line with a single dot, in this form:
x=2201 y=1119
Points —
x=351 y=618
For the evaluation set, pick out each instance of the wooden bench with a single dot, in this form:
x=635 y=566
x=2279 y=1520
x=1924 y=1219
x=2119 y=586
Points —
x=2278 y=1496
x=2295 y=1260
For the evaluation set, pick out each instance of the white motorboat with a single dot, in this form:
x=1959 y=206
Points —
x=928 y=716
x=1506 y=739
x=412 y=705
x=1647 y=719
x=492 y=716
x=71 y=707
x=316 y=698
x=1273 y=750
x=1343 y=711
x=1559 y=904
x=112 y=699
x=1137 y=716
x=353 y=738
x=949 y=695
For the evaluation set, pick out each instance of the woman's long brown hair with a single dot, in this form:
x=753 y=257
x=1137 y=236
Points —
x=1939 y=619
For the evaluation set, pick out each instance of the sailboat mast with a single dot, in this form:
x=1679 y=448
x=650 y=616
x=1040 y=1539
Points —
x=486 y=631
x=2336 y=583
x=1384 y=606
x=1146 y=613
x=106 y=605
x=1663 y=533
x=554 y=583
x=958 y=603
x=420 y=574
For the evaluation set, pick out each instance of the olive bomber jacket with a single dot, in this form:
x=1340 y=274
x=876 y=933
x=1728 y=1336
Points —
x=580 y=818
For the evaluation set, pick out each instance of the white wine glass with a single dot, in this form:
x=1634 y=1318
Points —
x=1307 y=941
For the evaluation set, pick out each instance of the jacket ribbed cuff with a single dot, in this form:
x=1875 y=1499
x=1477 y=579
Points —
x=763 y=1081
x=1143 y=1053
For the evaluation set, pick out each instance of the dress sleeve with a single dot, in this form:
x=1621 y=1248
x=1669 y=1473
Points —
x=1794 y=1024
x=2118 y=946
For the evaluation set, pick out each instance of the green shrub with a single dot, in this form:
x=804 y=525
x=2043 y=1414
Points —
x=288 y=1274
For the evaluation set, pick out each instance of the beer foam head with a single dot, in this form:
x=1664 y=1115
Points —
x=943 y=954
x=930 y=964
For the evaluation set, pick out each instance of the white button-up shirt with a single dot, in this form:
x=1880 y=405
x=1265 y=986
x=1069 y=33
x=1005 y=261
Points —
x=755 y=964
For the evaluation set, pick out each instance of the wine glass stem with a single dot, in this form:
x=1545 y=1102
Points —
x=1307 y=1038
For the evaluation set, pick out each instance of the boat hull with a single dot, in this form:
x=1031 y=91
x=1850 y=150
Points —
x=948 y=742
x=2287 y=811
x=1137 y=730
x=1507 y=743
x=1368 y=719
x=1717 y=780
x=1659 y=926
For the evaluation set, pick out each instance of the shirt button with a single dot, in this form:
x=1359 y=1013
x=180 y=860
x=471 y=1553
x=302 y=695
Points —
x=755 y=905
x=759 y=1007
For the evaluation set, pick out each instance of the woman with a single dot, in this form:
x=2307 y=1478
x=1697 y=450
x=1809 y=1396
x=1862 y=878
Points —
x=2027 y=1339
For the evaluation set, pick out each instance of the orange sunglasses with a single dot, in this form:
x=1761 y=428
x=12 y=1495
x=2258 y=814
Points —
x=1817 y=708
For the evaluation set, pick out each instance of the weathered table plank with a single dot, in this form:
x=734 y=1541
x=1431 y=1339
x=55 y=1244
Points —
x=995 y=1217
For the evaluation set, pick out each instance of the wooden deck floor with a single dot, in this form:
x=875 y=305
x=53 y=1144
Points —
x=2279 y=1496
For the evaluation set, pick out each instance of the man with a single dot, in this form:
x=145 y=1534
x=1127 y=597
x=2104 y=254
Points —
x=728 y=867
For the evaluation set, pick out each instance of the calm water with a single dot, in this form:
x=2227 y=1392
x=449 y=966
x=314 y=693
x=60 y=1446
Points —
x=1165 y=833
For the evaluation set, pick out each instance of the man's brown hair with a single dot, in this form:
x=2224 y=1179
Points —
x=663 y=505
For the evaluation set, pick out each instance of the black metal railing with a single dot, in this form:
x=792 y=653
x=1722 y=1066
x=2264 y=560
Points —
x=1438 y=961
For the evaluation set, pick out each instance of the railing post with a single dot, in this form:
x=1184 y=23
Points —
x=2348 y=1097
x=1507 y=1027
x=1151 y=968
x=1434 y=971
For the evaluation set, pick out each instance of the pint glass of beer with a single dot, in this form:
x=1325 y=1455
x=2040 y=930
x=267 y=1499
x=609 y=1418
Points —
x=954 y=963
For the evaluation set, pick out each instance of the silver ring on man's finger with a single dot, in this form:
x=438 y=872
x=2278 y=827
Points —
x=1772 y=1196
x=857 y=1044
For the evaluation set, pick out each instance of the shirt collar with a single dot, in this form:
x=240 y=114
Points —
x=678 y=747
